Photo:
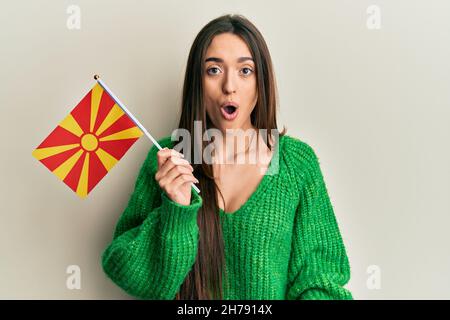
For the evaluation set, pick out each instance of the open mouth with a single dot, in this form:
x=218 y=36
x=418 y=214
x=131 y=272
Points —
x=229 y=112
x=230 y=109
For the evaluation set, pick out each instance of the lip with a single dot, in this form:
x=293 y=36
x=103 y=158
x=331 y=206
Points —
x=229 y=117
x=229 y=103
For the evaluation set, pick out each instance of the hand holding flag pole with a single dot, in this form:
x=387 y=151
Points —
x=120 y=104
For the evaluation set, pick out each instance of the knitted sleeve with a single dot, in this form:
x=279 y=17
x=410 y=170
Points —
x=155 y=242
x=319 y=266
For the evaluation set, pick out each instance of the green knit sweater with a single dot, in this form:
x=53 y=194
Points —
x=282 y=243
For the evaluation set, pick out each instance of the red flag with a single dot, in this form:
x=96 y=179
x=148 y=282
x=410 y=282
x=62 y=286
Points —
x=88 y=142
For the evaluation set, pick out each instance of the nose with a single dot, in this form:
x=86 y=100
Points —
x=229 y=83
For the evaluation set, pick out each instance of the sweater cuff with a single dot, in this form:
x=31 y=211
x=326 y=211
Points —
x=176 y=216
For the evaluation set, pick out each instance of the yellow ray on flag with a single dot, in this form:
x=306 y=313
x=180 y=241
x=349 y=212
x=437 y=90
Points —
x=71 y=125
x=107 y=160
x=97 y=93
x=114 y=114
x=82 y=187
x=63 y=170
x=43 y=153
x=125 y=134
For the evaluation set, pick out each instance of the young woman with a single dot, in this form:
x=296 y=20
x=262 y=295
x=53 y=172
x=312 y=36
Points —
x=263 y=230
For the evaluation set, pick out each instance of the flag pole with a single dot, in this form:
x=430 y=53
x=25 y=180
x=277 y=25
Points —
x=120 y=104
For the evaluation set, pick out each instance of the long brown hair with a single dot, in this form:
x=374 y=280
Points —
x=205 y=279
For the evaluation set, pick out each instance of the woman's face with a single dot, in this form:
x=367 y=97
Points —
x=229 y=78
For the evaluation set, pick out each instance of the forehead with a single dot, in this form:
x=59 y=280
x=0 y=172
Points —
x=228 y=46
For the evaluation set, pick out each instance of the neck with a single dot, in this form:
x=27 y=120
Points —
x=234 y=144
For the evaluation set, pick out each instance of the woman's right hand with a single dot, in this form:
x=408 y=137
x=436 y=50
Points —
x=175 y=176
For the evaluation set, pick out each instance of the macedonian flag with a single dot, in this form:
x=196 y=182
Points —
x=88 y=142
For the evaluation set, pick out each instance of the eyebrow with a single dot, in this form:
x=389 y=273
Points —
x=241 y=59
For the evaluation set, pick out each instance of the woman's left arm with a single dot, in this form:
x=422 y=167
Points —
x=319 y=266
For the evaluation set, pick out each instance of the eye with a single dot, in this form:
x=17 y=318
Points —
x=213 y=70
x=247 y=71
